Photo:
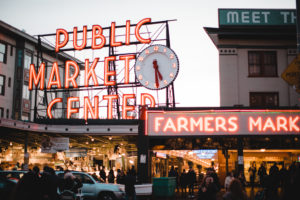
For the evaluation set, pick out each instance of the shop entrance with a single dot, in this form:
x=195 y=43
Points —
x=221 y=154
x=182 y=160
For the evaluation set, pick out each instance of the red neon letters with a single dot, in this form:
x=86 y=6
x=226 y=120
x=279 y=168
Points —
x=191 y=124
x=205 y=123
x=97 y=33
x=37 y=78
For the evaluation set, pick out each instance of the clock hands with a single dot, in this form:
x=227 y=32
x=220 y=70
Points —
x=157 y=73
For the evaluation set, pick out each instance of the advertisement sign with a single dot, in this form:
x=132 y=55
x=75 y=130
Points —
x=71 y=153
x=256 y=17
x=292 y=73
x=54 y=144
x=222 y=122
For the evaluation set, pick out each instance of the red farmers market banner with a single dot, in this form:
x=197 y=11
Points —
x=222 y=122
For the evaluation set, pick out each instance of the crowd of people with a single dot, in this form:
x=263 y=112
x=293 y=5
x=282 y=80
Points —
x=36 y=185
x=209 y=188
x=49 y=185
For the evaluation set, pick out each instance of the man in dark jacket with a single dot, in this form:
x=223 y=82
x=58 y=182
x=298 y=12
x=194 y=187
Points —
x=130 y=180
x=191 y=180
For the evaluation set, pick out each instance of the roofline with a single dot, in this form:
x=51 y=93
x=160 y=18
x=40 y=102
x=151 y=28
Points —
x=34 y=40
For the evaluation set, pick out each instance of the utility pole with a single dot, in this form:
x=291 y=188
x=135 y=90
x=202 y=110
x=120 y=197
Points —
x=298 y=25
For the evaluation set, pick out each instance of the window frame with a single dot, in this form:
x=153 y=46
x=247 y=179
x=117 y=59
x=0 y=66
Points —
x=5 y=53
x=262 y=64
x=31 y=57
x=3 y=91
x=1 y=112
x=264 y=95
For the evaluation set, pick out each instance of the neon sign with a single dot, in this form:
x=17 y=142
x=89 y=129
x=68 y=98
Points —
x=222 y=122
x=72 y=71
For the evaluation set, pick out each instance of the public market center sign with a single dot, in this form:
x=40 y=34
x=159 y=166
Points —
x=37 y=76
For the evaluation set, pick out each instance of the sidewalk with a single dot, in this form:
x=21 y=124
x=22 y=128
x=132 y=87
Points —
x=179 y=196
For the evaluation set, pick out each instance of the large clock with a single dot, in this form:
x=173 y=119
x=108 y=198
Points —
x=156 y=67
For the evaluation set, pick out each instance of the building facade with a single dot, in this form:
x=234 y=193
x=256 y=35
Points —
x=17 y=51
x=255 y=47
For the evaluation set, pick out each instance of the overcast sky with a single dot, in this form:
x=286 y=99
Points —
x=198 y=81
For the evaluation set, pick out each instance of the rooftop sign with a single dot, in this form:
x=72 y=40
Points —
x=222 y=122
x=256 y=17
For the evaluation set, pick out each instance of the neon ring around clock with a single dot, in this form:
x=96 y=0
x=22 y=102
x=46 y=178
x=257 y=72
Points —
x=156 y=67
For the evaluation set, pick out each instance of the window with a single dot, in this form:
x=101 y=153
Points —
x=9 y=82
x=262 y=63
x=264 y=99
x=25 y=92
x=2 y=52
x=2 y=85
x=11 y=50
x=27 y=60
x=1 y=112
x=7 y=113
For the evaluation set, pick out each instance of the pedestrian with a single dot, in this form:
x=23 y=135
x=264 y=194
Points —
x=102 y=174
x=183 y=182
x=235 y=191
x=130 y=180
x=208 y=189
x=274 y=181
x=228 y=180
x=71 y=186
x=28 y=187
x=262 y=172
x=191 y=181
x=120 y=176
x=252 y=172
x=242 y=179
x=111 y=176
x=49 y=184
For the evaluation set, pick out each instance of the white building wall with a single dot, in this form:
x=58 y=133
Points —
x=228 y=78
x=235 y=85
x=8 y=70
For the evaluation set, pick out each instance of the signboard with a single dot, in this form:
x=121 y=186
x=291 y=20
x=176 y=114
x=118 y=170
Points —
x=292 y=73
x=54 y=144
x=71 y=153
x=152 y=76
x=256 y=17
x=222 y=122
x=206 y=153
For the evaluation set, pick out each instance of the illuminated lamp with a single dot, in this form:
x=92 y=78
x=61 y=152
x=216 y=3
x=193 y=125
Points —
x=262 y=150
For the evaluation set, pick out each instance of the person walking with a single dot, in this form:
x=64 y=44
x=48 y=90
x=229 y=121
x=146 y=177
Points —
x=228 y=180
x=103 y=174
x=130 y=180
x=70 y=186
x=252 y=172
x=235 y=191
x=111 y=176
x=49 y=184
x=208 y=189
x=191 y=177
x=262 y=172
x=183 y=183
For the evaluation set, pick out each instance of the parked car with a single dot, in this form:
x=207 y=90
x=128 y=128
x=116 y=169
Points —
x=13 y=174
x=6 y=188
x=94 y=190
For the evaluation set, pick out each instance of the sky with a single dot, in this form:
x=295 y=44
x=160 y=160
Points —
x=197 y=84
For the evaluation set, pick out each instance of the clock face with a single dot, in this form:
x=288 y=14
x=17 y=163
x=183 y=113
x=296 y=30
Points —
x=156 y=67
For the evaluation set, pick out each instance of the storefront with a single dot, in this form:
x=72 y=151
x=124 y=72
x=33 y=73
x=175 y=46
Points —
x=226 y=139
x=82 y=147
